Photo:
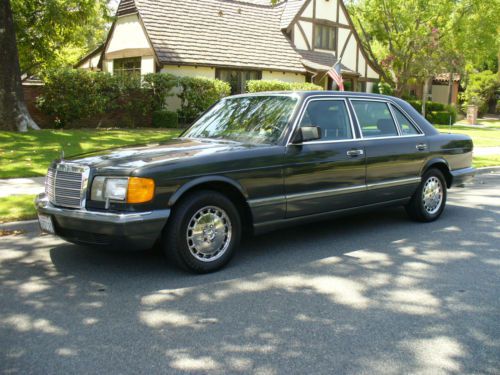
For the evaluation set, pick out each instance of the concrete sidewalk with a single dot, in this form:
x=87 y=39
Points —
x=21 y=186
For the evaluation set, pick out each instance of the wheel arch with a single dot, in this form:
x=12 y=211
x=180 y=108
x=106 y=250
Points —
x=443 y=166
x=224 y=185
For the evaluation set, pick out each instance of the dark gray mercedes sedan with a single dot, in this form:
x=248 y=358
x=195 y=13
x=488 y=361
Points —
x=255 y=162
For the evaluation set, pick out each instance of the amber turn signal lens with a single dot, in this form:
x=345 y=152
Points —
x=140 y=190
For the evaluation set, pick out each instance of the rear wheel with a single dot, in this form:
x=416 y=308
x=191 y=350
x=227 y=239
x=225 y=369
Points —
x=203 y=232
x=428 y=202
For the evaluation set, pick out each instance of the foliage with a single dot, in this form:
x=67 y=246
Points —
x=160 y=86
x=436 y=113
x=55 y=33
x=383 y=88
x=480 y=90
x=29 y=154
x=273 y=85
x=198 y=94
x=72 y=94
x=17 y=207
x=415 y=39
x=75 y=94
x=163 y=118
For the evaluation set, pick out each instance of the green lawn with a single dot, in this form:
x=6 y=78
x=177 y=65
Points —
x=29 y=154
x=17 y=207
x=482 y=137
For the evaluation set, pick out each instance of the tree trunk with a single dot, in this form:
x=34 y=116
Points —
x=13 y=112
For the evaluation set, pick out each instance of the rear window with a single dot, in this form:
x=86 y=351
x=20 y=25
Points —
x=375 y=119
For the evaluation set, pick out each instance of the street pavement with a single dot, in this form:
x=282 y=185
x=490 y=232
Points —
x=369 y=294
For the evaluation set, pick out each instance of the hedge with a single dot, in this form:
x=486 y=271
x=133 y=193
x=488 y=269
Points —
x=263 y=85
x=165 y=119
x=436 y=113
x=198 y=94
x=75 y=94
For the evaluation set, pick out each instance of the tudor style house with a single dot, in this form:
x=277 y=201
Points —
x=235 y=41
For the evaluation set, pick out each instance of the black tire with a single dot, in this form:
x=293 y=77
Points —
x=417 y=208
x=178 y=237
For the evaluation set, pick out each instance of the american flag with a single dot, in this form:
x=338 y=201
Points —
x=336 y=75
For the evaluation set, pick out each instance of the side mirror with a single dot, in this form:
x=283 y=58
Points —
x=307 y=133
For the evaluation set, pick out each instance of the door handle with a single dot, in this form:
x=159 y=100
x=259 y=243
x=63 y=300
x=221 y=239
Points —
x=421 y=146
x=354 y=153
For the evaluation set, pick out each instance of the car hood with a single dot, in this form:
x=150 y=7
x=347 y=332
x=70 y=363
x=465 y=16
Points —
x=172 y=151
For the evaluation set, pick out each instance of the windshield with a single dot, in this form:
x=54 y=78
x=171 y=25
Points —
x=247 y=119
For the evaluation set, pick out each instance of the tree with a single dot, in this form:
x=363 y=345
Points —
x=50 y=34
x=13 y=112
x=54 y=33
x=415 y=39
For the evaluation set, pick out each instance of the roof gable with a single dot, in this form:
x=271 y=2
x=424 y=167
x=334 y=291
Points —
x=219 y=33
x=126 y=7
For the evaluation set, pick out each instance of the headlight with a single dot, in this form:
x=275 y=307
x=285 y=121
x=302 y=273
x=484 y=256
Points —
x=131 y=190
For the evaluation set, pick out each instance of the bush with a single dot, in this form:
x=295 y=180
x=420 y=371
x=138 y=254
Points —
x=480 y=90
x=165 y=119
x=75 y=94
x=274 y=85
x=441 y=117
x=198 y=94
x=71 y=95
x=436 y=112
x=160 y=86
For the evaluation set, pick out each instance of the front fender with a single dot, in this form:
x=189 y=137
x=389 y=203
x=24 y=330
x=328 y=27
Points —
x=203 y=180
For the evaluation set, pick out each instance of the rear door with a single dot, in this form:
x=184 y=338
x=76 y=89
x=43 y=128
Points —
x=327 y=174
x=395 y=147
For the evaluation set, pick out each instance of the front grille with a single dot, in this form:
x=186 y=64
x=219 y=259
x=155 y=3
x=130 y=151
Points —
x=64 y=185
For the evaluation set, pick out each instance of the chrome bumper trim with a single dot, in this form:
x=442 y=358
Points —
x=45 y=207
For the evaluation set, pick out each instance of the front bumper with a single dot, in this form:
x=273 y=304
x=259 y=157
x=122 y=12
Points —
x=462 y=176
x=124 y=231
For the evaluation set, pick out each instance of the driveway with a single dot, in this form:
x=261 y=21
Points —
x=372 y=294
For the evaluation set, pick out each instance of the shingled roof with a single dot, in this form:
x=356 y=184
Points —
x=230 y=33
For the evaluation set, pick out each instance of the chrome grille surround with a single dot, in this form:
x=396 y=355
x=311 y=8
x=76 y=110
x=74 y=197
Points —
x=66 y=185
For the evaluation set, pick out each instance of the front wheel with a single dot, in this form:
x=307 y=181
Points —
x=203 y=232
x=428 y=202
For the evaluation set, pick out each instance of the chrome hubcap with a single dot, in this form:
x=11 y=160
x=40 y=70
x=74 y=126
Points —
x=209 y=233
x=432 y=195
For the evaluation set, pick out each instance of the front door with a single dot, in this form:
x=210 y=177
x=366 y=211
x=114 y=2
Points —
x=395 y=150
x=327 y=174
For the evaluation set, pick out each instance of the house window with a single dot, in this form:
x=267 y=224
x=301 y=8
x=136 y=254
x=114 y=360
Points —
x=237 y=78
x=324 y=37
x=127 y=66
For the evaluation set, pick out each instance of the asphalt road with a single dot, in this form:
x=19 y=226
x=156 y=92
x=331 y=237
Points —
x=370 y=294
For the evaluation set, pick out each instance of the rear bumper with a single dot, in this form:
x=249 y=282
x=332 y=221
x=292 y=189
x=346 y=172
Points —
x=123 y=231
x=462 y=176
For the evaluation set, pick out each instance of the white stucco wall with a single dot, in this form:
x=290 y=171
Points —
x=440 y=94
x=91 y=62
x=283 y=76
x=128 y=33
x=326 y=10
x=147 y=65
x=189 y=71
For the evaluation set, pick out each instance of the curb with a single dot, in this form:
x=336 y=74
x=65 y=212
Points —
x=485 y=170
x=25 y=226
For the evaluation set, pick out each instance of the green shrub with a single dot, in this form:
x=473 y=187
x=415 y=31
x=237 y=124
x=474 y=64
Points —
x=480 y=90
x=165 y=119
x=198 y=94
x=160 y=86
x=73 y=94
x=274 y=85
x=441 y=117
x=436 y=112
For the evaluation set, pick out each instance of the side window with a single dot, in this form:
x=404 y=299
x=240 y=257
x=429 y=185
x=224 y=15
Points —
x=331 y=116
x=407 y=128
x=375 y=119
